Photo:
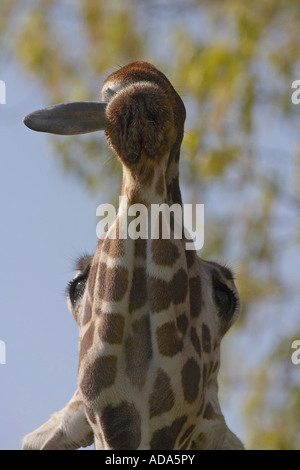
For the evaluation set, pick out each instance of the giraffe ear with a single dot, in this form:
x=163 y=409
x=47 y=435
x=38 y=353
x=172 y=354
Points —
x=79 y=117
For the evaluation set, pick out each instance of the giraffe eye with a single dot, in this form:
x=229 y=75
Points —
x=225 y=300
x=76 y=288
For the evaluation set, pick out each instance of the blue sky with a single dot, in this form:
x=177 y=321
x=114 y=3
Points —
x=47 y=221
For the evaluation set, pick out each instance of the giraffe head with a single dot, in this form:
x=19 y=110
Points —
x=146 y=121
x=151 y=315
x=143 y=119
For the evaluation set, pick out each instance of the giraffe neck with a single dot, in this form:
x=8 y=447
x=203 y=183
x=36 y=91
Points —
x=147 y=188
x=135 y=322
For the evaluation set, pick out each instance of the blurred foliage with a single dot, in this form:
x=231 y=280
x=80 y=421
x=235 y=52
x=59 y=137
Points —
x=273 y=409
x=233 y=63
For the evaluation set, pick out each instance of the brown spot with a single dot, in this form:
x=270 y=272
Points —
x=113 y=283
x=209 y=412
x=179 y=286
x=206 y=340
x=190 y=258
x=164 y=252
x=162 y=397
x=174 y=194
x=138 y=292
x=195 y=341
x=114 y=247
x=140 y=248
x=121 y=426
x=92 y=279
x=86 y=341
x=160 y=185
x=87 y=312
x=138 y=351
x=106 y=245
x=182 y=323
x=165 y=438
x=195 y=296
x=111 y=328
x=190 y=377
x=158 y=292
x=168 y=340
x=98 y=375
x=187 y=433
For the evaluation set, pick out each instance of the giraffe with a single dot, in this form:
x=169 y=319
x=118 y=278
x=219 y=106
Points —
x=151 y=314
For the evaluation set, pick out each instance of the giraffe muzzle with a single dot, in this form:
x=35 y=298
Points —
x=140 y=121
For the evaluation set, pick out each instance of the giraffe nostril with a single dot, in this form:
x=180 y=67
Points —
x=133 y=157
